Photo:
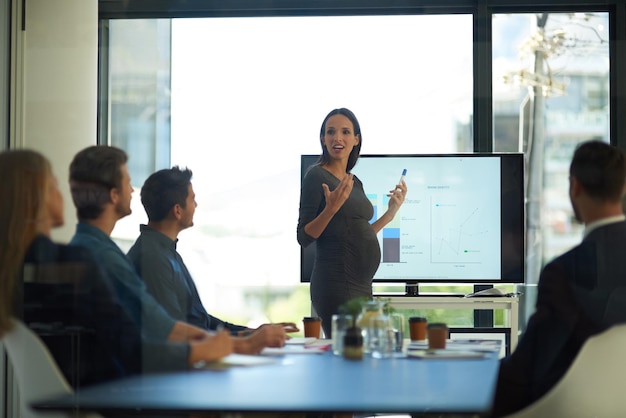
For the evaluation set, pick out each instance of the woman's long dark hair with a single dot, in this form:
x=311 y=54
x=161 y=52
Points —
x=25 y=176
x=356 y=151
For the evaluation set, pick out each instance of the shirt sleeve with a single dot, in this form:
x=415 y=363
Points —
x=312 y=202
x=215 y=322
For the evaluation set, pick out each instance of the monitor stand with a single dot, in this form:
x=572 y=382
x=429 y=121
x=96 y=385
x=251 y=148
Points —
x=482 y=318
x=412 y=289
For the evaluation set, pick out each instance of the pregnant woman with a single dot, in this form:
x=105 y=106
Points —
x=335 y=212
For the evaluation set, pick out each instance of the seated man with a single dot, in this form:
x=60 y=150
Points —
x=169 y=200
x=574 y=290
x=101 y=191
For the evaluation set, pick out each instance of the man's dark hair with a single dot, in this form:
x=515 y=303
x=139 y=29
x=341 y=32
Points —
x=163 y=190
x=94 y=171
x=601 y=169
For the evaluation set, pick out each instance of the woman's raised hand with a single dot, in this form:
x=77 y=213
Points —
x=336 y=198
x=396 y=198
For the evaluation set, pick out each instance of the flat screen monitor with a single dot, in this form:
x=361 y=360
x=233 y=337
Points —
x=462 y=221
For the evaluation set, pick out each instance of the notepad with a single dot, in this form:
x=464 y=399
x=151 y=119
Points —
x=445 y=354
x=300 y=341
x=234 y=360
x=295 y=349
x=461 y=345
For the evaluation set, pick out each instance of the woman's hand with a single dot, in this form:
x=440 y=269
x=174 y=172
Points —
x=396 y=198
x=336 y=198
x=334 y=202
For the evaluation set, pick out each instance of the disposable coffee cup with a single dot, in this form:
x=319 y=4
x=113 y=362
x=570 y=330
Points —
x=312 y=326
x=417 y=328
x=437 y=336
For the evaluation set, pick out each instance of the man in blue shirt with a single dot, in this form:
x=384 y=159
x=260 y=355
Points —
x=101 y=191
x=169 y=200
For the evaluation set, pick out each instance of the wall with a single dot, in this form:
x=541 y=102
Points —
x=48 y=97
x=55 y=87
x=5 y=32
x=5 y=18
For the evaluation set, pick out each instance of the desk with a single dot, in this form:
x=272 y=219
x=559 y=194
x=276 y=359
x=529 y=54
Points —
x=511 y=304
x=301 y=383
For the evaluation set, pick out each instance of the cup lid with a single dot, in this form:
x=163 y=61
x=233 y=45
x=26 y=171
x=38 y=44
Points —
x=417 y=319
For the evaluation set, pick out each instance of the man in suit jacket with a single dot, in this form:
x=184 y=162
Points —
x=576 y=292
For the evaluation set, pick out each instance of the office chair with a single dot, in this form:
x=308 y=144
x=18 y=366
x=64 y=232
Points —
x=594 y=384
x=38 y=376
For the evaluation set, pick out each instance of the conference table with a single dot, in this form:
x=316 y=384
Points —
x=297 y=382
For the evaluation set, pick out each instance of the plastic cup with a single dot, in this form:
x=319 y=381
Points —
x=437 y=336
x=417 y=328
x=312 y=326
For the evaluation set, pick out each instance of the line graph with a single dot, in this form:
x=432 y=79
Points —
x=458 y=234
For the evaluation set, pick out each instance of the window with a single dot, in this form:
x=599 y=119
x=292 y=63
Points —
x=247 y=98
x=551 y=86
x=260 y=87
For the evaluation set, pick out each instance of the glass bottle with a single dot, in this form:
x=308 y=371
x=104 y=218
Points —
x=371 y=309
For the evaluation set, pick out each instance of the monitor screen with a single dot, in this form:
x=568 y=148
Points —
x=462 y=220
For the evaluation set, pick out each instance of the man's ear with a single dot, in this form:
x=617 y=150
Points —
x=574 y=186
x=114 y=195
x=177 y=211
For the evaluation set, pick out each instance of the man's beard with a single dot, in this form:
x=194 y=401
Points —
x=122 y=211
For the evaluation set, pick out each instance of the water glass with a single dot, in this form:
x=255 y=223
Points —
x=397 y=328
x=380 y=336
x=340 y=322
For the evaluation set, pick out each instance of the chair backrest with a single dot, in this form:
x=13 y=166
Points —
x=594 y=384
x=37 y=374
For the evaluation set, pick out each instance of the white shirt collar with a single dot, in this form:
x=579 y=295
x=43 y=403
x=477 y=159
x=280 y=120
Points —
x=601 y=222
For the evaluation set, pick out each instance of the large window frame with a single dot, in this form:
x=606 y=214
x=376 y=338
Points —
x=481 y=10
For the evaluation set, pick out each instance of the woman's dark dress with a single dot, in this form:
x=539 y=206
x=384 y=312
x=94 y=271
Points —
x=348 y=253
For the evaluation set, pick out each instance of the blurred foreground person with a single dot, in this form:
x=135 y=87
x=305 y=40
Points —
x=61 y=293
x=576 y=296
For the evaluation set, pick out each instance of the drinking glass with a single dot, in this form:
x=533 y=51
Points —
x=340 y=323
x=380 y=336
x=397 y=329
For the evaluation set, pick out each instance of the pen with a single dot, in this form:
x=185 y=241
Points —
x=403 y=176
